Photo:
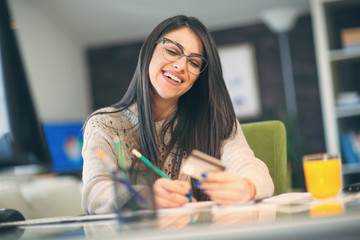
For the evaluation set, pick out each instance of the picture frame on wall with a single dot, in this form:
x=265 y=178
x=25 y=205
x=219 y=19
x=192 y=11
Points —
x=240 y=74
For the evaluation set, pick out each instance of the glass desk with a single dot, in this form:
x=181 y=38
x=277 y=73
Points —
x=287 y=216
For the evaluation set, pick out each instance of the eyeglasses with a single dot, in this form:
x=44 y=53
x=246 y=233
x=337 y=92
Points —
x=172 y=52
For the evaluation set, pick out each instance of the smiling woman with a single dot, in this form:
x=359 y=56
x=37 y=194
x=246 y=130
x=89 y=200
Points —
x=177 y=101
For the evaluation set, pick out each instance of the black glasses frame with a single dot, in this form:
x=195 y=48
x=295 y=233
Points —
x=204 y=60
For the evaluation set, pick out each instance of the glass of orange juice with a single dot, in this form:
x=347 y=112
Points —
x=322 y=174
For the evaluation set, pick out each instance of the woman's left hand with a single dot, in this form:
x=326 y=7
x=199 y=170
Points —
x=227 y=188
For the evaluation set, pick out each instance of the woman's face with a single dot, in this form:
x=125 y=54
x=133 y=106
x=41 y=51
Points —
x=170 y=80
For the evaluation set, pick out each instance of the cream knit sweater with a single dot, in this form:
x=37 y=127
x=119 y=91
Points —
x=99 y=133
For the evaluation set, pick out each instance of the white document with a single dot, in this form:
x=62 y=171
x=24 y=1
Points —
x=292 y=197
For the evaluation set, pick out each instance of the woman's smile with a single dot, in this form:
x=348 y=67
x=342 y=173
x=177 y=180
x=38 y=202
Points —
x=173 y=77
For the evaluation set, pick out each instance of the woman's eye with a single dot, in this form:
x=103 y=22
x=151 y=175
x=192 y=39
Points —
x=172 y=52
x=194 y=63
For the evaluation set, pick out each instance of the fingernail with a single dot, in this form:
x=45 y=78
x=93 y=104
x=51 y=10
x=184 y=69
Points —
x=204 y=176
x=189 y=195
x=197 y=184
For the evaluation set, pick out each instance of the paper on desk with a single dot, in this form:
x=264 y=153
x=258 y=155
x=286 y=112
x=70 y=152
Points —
x=292 y=202
x=292 y=197
x=243 y=207
x=271 y=202
x=186 y=208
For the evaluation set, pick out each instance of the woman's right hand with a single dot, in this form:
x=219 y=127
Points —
x=170 y=193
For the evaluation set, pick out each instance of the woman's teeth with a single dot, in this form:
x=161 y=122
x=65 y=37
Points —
x=172 y=77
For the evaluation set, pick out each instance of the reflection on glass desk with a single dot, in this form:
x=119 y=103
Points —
x=287 y=216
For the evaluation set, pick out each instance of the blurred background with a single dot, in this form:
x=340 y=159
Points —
x=80 y=56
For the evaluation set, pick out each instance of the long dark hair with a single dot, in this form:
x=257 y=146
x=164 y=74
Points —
x=205 y=116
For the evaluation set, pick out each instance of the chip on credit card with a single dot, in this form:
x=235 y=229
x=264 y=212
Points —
x=198 y=163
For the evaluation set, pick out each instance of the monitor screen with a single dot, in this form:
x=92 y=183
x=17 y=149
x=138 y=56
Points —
x=65 y=142
x=23 y=147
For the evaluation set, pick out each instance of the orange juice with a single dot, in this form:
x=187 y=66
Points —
x=322 y=176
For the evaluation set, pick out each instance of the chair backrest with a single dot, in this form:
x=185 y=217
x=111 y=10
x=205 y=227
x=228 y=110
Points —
x=268 y=141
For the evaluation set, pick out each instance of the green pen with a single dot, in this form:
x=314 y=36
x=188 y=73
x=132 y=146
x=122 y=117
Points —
x=157 y=170
x=148 y=163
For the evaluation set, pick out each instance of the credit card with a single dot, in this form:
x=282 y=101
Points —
x=198 y=163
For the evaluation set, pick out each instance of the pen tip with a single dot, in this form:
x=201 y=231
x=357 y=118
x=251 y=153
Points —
x=116 y=139
x=136 y=153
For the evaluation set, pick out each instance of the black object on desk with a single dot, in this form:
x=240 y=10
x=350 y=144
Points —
x=10 y=215
x=355 y=187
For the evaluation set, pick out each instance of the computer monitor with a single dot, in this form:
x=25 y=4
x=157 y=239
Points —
x=65 y=141
x=23 y=147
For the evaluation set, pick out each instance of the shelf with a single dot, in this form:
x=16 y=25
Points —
x=348 y=110
x=337 y=67
x=350 y=168
x=344 y=54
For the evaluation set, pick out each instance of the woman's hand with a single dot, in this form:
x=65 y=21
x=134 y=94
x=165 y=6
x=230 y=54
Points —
x=170 y=193
x=226 y=188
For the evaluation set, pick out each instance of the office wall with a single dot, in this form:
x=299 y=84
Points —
x=270 y=75
x=54 y=63
x=111 y=68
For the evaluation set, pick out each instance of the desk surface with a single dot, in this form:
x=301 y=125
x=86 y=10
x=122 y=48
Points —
x=288 y=216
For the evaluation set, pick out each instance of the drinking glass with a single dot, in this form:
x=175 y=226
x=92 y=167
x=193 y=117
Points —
x=322 y=174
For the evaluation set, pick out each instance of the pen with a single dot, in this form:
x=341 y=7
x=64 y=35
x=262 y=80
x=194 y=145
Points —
x=149 y=164
x=156 y=169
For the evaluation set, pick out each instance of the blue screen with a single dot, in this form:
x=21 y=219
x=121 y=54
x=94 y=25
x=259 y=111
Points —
x=65 y=144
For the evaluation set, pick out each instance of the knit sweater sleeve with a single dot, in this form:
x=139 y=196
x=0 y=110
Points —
x=98 y=187
x=240 y=159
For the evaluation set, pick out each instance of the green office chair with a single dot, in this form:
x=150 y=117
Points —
x=268 y=141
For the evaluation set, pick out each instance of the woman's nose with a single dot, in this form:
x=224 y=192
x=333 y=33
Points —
x=180 y=64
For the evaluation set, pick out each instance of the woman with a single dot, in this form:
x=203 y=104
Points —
x=177 y=101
